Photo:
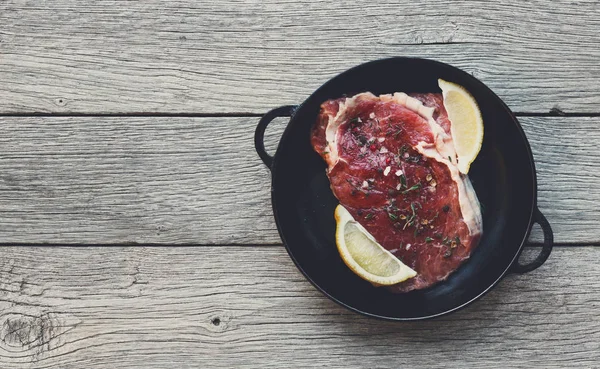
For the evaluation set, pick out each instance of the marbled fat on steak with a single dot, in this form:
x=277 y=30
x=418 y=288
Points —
x=391 y=163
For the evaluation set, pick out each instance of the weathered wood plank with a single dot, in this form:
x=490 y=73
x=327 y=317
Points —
x=199 y=181
x=106 y=180
x=248 y=56
x=153 y=307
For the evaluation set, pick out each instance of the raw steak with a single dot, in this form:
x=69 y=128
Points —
x=391 y=163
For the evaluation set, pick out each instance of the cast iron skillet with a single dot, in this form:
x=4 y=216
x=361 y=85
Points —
x=503 y=176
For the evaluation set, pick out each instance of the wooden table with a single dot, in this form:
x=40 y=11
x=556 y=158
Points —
x=135 y=216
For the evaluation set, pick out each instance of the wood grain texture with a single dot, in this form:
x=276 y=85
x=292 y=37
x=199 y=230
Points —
x=186 y=307
x=110 y=56
x=166 y=180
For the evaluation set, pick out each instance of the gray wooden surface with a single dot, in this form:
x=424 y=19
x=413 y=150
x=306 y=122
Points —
x=250 y=55
x=135 y=220
x=155 y=307
x=175 y=180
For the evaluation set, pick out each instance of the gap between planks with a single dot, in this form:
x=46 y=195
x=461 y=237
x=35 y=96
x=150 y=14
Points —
x=529 y=245
x=557 y=113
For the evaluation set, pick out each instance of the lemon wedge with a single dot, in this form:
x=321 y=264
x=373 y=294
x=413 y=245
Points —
x=467 y=124
x=364 y=256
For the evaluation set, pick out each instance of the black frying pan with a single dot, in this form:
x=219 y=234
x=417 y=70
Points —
x=503 y=176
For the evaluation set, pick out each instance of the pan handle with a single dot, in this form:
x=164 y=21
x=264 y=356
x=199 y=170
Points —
x=259 y=134
x=540 y=219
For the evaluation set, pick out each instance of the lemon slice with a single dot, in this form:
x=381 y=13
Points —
x=364 y=256
x=467 y=124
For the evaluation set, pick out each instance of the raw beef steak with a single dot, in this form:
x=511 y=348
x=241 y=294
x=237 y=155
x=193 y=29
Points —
x=391 y=163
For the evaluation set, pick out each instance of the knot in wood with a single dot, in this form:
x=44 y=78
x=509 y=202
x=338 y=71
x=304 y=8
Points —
x=24 y=331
